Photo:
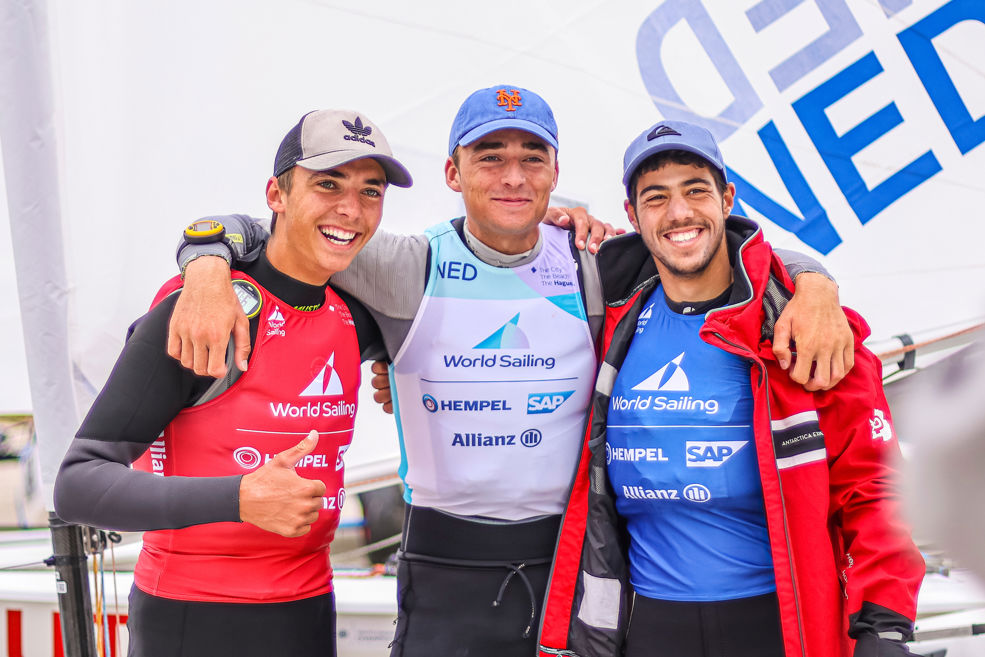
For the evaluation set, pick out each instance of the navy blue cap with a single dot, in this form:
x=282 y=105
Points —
x=501 y=108
x=671 y=135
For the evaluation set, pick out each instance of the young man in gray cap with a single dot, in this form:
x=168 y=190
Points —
x=238 y=513
x=489 y=320
x=719 y=509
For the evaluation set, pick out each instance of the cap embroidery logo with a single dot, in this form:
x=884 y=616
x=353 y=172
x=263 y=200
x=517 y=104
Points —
x=359 y=132
x=662 y=131
x=510 y=100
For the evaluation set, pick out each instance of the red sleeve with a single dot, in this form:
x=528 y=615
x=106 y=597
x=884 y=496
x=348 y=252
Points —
x=880 y=563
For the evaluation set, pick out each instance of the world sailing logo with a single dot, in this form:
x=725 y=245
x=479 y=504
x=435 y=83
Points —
x=326 y=383
x=507 y=336
x=275 y=322
x=670 y=377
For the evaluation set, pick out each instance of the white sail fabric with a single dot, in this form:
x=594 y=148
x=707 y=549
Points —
x=853 y=128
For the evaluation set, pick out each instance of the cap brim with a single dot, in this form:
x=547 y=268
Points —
x=396 y=173
x=506 y=124
x=666 y=146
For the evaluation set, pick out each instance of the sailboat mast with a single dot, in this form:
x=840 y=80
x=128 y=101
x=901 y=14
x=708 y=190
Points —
x=30 y=157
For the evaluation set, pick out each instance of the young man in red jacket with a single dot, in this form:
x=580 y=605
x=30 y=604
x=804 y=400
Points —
x=719 y=508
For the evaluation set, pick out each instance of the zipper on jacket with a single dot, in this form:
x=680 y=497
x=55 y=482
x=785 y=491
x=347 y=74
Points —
x=555 y=651
x=779 y=481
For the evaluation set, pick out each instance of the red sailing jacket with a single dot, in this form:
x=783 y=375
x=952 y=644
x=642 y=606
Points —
x=303 y=375
x=825 y=461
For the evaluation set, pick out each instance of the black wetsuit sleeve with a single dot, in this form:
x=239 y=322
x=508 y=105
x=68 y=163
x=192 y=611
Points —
x=146 y=389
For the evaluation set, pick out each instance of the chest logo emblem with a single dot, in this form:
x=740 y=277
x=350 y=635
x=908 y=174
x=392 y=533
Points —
x=670 y=377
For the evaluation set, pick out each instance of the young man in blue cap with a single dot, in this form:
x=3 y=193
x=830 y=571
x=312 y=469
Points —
x=719 y=509
x=489 y=320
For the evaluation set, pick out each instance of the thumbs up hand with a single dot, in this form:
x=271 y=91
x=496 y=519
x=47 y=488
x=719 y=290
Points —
x=275 y=498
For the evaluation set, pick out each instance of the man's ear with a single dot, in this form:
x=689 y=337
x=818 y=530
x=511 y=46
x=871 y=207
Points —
x=453 y=177
x=631 y=213
x=728 y=200
x=275 y=197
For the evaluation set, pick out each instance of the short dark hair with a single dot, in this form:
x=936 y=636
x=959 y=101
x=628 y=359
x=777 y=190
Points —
x=675 y=156
x=286 y=180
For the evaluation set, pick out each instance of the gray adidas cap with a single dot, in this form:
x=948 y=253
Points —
x=325 y=139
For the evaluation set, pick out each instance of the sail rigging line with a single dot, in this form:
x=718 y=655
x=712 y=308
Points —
x=896 y=353
x=100 y=646
x=116 y=596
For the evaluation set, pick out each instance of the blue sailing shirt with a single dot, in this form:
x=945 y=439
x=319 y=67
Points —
x=682 y=460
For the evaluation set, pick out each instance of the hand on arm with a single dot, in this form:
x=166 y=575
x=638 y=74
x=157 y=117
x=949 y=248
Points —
x=276 y=499
x=814 y=321
x=381 y=382
x=206 y=312
x=586 y=226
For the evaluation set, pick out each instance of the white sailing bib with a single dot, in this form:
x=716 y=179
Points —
x=493 y=382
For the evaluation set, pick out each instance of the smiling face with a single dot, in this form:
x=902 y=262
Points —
x=680 y=214
x=325 y=218
x=506 y=179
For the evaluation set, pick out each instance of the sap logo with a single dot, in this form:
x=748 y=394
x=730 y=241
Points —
x=462 y=271
x=711 y=453
x=546 y=402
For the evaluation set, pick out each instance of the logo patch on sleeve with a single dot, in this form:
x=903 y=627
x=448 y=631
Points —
x=881 y=428
x=798 y=440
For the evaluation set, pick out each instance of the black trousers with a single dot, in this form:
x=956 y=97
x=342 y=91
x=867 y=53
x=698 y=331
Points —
x=747 y=627
x=160 y=627
x=469 y=587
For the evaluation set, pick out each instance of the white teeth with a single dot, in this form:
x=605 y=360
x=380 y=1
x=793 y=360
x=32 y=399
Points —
x=683 y=237
x=338 y=235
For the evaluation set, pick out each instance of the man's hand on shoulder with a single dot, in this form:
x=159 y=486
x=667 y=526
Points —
x=814 y=328
x=206 y=313
x=589 y=231
x=276 y=499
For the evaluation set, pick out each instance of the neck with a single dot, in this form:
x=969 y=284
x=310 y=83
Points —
x=282 y=259
x=505 y=243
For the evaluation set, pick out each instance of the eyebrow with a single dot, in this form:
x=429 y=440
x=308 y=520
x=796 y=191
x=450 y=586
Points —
x=493 y=145
x=334 y=173
x=686 y=183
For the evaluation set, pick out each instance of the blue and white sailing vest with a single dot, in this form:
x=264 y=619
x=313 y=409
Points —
x=682 y=461
x=493 y=382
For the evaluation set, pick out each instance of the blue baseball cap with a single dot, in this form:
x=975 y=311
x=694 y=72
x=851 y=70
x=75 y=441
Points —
x=500 y=108
x=666 y=136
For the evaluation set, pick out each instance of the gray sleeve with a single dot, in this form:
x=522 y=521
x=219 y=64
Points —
x=388 y=276
x=594 y=304
x=244 y=238
x=798 y=263
x=96 y=487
